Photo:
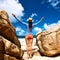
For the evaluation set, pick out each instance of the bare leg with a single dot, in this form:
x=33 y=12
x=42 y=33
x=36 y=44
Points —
x=29 y=47
x=29 y=50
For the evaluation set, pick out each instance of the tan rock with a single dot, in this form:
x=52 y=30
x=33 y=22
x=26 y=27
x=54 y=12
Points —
x=48 y=41
x=6 y=28
x=7 y=57
x=1 y=49
x=11 y=48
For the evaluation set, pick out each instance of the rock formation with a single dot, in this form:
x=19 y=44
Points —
x=6 y=28
x=10 y=47
x=48 y=41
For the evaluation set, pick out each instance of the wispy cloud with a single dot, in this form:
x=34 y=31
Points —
x=19 y=31
x=42 y=2
x=58 y=21
x=53 y=25
x=53 y=3
x=37 y=29
x=12 y=6
x=46 y=26
x=49 y=0
x=33 y=14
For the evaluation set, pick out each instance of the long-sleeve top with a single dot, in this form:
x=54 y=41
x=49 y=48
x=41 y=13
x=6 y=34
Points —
x=27 y=25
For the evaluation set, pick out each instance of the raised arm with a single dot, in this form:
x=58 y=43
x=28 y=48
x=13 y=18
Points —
x=38 y=21
x=19 y=20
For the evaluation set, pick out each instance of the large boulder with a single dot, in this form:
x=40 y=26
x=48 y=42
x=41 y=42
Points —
x=11 y=48
x=7 y=57
x=6 y=28
x=1 y=49
x=48 y=41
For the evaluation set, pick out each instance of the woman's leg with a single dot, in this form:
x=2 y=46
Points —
x=29 y=46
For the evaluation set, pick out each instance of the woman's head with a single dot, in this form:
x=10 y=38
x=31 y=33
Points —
x=29 y=19
x=30 y=24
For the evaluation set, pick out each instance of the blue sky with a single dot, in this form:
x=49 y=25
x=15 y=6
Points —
x=24 y=9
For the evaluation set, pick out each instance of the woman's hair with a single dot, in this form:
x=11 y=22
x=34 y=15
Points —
x=30 y=26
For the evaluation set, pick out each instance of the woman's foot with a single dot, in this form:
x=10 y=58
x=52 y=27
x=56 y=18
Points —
x=30 y=56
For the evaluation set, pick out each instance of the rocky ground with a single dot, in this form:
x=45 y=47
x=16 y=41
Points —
x=36 y=54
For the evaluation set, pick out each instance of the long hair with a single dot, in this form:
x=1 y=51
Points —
x=30 y=26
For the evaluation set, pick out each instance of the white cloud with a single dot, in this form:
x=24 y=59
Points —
x=49 y=26
x=46 y=26
x=43 y=1
x=58 y=21
x=37 y=29
x=12 y=6
x=19 y=31
x=18 y=28
x=49 y=0
x=33 y=14
x=54 y=4
x=52 y=27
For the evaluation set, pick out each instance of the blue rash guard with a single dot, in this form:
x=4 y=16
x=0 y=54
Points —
x=29 y=29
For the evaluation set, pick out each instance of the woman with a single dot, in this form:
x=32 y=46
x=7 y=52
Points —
x=29 y=36
x=29 y=40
